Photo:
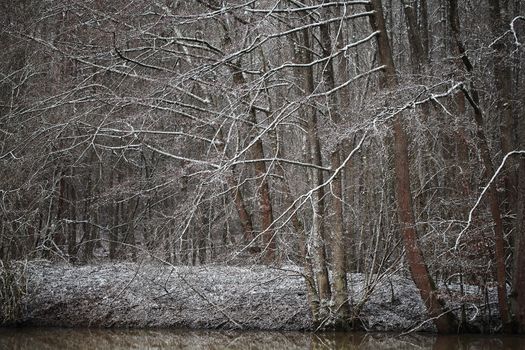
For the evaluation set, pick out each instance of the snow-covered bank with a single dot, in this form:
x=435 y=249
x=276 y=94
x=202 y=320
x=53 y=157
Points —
x=149 y=295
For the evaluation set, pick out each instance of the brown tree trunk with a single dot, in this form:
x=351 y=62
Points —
x=60 y=238
x=72 y=248
x=495 y=211
x=424 y=30
x=443 y=320
x=265 y=202
x=297 y=224
x=129 y=238
x=419 y=65
x=318 y=232
x=263 y=188
x=113 y=232
x=518 y=284
x=304 y=255
x=340 y=287
x=87 y=228
x=244 y=216
x=494 y=202
x=414 y=39
x=503 y=82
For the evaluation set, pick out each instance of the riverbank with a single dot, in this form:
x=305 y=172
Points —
x=212 y=297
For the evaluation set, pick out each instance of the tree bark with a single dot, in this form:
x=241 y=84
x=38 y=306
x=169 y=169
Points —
x=443 y=320
x=60 y=238
x=114 y=230
x=503 y=82
x=238 y=198
x=318 y=231
x=424 y=30
x=414 y=39
x=72 y=248
x=518 y=285
x=304 y=254
x=265 y=202
x=263 y=188
x=340 y=287
x=494 y=201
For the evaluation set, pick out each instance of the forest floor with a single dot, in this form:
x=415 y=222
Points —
x=210 y=296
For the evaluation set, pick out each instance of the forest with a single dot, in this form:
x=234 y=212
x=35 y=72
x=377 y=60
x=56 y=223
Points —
x=376 y=137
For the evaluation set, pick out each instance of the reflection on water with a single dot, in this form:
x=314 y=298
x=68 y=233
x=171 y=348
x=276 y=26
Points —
x=102 y=339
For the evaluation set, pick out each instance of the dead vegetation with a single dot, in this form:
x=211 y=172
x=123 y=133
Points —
x=208 y=297
x=12 y=290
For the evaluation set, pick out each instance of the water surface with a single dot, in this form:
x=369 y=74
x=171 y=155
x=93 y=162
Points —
x=102 y=339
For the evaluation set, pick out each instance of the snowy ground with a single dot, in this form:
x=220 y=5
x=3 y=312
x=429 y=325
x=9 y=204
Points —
x=252 y=297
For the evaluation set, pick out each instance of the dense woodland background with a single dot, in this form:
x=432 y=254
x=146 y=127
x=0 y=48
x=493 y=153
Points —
x=342 y=136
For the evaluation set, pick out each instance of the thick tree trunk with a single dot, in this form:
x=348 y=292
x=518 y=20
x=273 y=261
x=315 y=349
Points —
x=340 y=268
x=442 y=319
x=265 y=204
x=519 y=268
x=503 y=81
x=424 y=30
x=495 y=211
x=494 y=202
x=414 y=39
x=318 y=232
x=518 y=285
x=418 y=267
x=340 y=287
x=419 y=65
x=244 y=216
x=304 y=255
x=297 y=224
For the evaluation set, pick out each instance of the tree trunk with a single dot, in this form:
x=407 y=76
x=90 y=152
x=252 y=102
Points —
x=265 y=202
x=518 y=284
x=263 y=188
x=72 y=248
x=114 y=231
x=414 y=39
x=494 y=202
x=424 y=30
x=87 y=226
x=304 y=255
x=317 y=233
x=443 y=320
x=503 y=81
x=340 y=287
x=60 y=238
x=244 y=216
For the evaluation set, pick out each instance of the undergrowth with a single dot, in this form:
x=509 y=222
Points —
x=12 y=288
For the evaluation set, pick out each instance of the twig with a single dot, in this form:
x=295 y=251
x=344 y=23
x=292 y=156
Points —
x=485 y=189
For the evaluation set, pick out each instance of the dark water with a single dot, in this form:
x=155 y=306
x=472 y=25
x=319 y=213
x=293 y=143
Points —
x=92 y=339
